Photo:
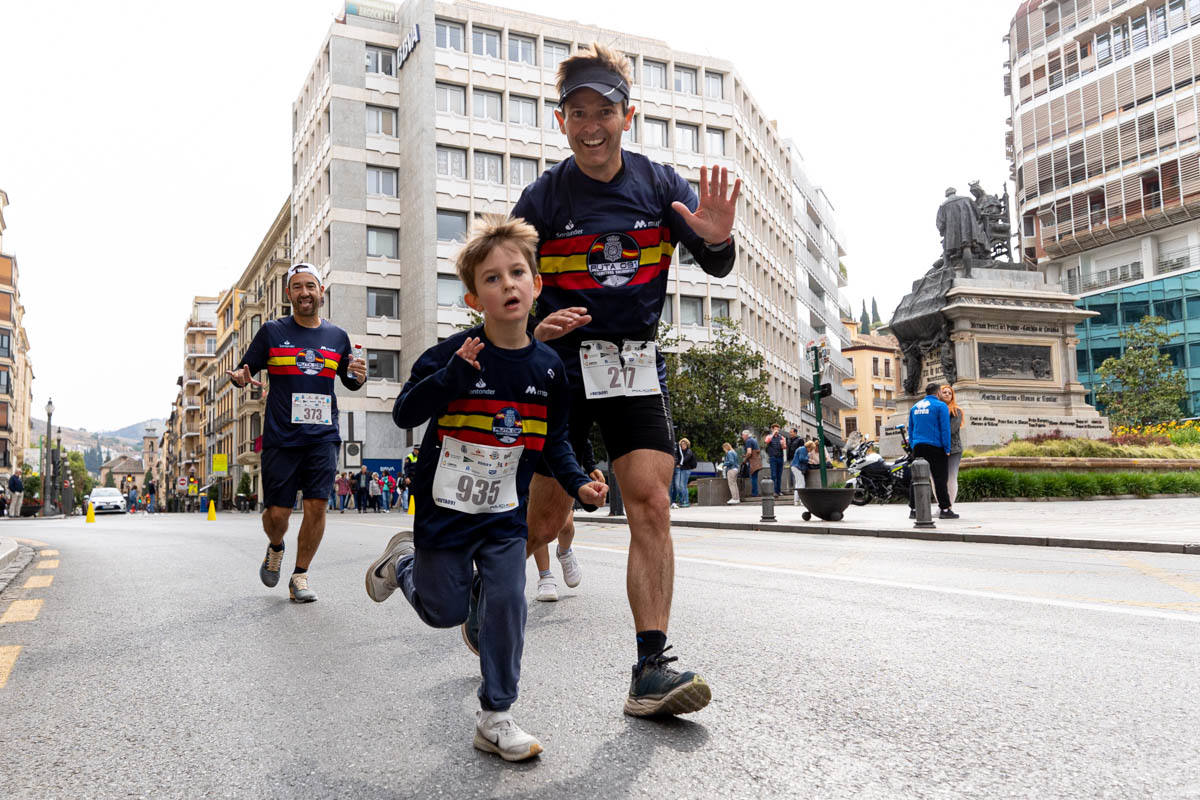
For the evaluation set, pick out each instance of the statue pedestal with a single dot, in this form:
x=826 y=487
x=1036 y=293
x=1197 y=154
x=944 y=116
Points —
x=1013 y=340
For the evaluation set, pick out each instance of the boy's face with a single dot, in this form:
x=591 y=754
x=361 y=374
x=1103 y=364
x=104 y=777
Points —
x=505 y=286
x=593 y=127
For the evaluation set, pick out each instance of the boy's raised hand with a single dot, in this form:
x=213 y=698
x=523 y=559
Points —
x=469 y=352
x=593 y=493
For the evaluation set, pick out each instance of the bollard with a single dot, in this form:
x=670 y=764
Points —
x=921 y=489
x=616 y=507
x=766 y=487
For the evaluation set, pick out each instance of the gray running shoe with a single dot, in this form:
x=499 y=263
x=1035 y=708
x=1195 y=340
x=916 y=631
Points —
x=298 y=589
x=268 y=573
x=659 y=689
x=381 y=575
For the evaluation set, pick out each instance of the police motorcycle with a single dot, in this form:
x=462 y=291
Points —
x=871 y=477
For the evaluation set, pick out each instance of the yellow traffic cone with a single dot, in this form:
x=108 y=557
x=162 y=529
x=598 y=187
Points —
x=91 y=514
x=412 y=504
x=212 y=510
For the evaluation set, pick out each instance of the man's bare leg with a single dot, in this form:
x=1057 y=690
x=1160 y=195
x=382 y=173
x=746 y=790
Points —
x=549 y=509
x=275 y=523
x=312 y=529
x=643 y=476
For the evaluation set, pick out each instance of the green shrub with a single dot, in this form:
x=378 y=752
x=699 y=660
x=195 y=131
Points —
x=1184 y=436
x=994 y=483
x=1080 y=484
x=1107 y=483
x=1143 y=484
x=980 y=484
x=1054 y=484
x=1029 y=484
x=1170 y=483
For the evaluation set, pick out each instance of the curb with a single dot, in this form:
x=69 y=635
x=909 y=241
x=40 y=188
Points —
x=1190 y=548
x=8 y=552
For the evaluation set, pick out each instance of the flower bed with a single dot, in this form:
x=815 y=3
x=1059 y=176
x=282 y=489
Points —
x=991 y=483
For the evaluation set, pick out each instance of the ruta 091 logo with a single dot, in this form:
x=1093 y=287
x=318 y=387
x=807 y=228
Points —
x=310 y=362
x=613 y=259
x=506 y=425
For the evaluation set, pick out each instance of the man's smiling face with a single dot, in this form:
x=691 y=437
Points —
x=593 y=126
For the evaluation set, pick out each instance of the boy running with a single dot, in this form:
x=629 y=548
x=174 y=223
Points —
x=496 y=400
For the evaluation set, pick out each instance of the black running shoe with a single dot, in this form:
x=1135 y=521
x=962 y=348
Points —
x=657 y=688
x=470 y=628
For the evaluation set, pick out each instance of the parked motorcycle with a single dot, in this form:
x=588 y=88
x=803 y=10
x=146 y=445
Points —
x=872 y=477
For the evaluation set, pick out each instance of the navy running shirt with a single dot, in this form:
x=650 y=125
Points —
x=299 y=360
x=518 y=397
x=608 y=247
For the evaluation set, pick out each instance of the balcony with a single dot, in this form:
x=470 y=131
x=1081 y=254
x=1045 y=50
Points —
x=191 y=430
x=191 y=402
x=194 y=353
x=1074 y=284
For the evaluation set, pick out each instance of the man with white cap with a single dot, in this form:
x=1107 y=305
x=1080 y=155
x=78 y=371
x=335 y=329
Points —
x=302 y=354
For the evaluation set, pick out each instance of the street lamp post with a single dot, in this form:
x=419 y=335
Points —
x=46 y=483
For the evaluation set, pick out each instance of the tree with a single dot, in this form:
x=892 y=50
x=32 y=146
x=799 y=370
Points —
x=874 y=313
x=717 y=389
x=244 y=484
x=79 y=474
x=109 y=482
x=864 y=322
x=1142 y=387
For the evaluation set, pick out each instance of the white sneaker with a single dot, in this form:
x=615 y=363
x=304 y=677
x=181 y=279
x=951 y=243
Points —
x=674 y=505
x=572 y=573
x=732 y=502
x=497 y=732
x=547 y=590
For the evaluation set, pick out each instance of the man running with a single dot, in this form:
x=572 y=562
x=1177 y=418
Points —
x=302 y=354
x=608 y=222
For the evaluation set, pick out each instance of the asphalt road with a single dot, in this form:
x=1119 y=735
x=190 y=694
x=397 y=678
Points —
x=157 y=665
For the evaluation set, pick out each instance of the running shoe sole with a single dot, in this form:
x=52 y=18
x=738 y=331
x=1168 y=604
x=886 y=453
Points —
x=309 y=597
x=375 y=587
x=481 y=743
x=682 y=699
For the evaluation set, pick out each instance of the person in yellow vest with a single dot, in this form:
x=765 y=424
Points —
x=193 y=491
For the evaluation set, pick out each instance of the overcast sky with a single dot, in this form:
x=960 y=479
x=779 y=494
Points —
x=145 y=148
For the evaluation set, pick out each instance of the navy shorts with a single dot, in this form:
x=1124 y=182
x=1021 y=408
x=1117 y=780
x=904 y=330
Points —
x=287 y=470
x=626 y=424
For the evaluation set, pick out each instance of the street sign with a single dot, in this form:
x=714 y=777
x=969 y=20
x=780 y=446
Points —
x=220 y=464
x=825 y=390
x=181 y=483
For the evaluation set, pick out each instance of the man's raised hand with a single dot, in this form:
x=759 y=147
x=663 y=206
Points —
x=561 y=322
x=241 y=377
x=713 y=219
x=469 y=351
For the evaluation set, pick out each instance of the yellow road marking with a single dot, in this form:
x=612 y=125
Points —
x=34 y=542
x=22 y=611
x=39 y=581
x=1169 y=578
x=47 y=552
x=48 y=564
x=8 y=657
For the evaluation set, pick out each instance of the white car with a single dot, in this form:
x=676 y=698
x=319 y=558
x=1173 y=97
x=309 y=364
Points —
x=107 y=499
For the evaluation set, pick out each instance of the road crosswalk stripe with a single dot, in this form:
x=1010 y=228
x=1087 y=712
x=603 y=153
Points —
x=39 y=581
x=8 y=657
x=48 y=564
x=21 y=611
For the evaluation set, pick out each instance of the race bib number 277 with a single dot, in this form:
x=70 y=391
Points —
x=630 y=372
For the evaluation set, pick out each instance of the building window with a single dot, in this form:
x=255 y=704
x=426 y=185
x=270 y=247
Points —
x=381 y=121
x=210 y=344
x=381 y=60
x=685 y=255
x=522 y=110
x=383 y=364
x=691 y=310
x=851 y=425
x=714 y=85
x=554 y=52
x=887 y=368
x=878 y=427
x=381 y=180
x=489 y=167
x=632 y=135
x=5 y=344
x=382 y=242
x=451 y=226
x=451 y=162
x=255 y=324
x=687 y=137
x=875 y=366
x=549 y=121
x=654 y=74
x=5 y=382
x=714 y=140
x=522 y=171
x=450 y=291
x=485 y=41
x=486 y=104
x=450 y=35
x=685 y=80
x=522 y=49
x=383 y=302
x=451 y=99
x=668 y=309
x=720 y=308
x=656 y=132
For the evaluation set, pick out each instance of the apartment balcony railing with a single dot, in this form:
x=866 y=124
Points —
x=191 y=401
x=1076 y=284
x=192 y=430
x=196 y=353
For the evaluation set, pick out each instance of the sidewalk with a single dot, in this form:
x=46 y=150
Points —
x=1168 y=525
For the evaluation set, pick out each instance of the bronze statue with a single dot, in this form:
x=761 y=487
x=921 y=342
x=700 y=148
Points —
x=964 y=241
x=993 y=215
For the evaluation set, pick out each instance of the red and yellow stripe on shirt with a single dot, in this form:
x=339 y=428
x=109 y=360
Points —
x=282 y=361
x=473 y=419
x=563 y=263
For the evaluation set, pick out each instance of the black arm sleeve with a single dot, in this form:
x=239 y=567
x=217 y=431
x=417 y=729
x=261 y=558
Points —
x=557 y=449
x=429 y=388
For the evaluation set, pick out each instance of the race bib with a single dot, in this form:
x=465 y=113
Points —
x=607 y=372
x=312 y=409
x=476 y=479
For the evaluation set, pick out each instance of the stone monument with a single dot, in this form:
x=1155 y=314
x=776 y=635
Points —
x=997 y=332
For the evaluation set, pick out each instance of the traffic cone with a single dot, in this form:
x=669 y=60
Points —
x=91 y=514
x=212 y=510
x=412 y=504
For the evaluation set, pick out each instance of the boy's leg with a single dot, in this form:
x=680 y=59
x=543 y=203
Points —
x=502 y=611
x=547 y=588
x=437 y=584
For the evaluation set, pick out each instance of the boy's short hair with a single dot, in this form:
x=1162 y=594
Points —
x=597 y=55
x=494 y=230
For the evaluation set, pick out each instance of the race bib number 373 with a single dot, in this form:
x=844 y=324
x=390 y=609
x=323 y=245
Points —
x=476 y=479
x=607 y=372
x=312 y=409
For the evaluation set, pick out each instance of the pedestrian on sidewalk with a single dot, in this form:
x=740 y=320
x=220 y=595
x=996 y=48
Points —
x=685 y=462
x=374 y=491
x=753 y=460
x=799 y=470
x=408 y=471
x=946 y=395
x=16 y=488
x=362 y=490
x=343 y=491
x=774 y=447
x=303 y=354
x=731 y=465
x=794 y=443
x=929 y=435
x=471 y=499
